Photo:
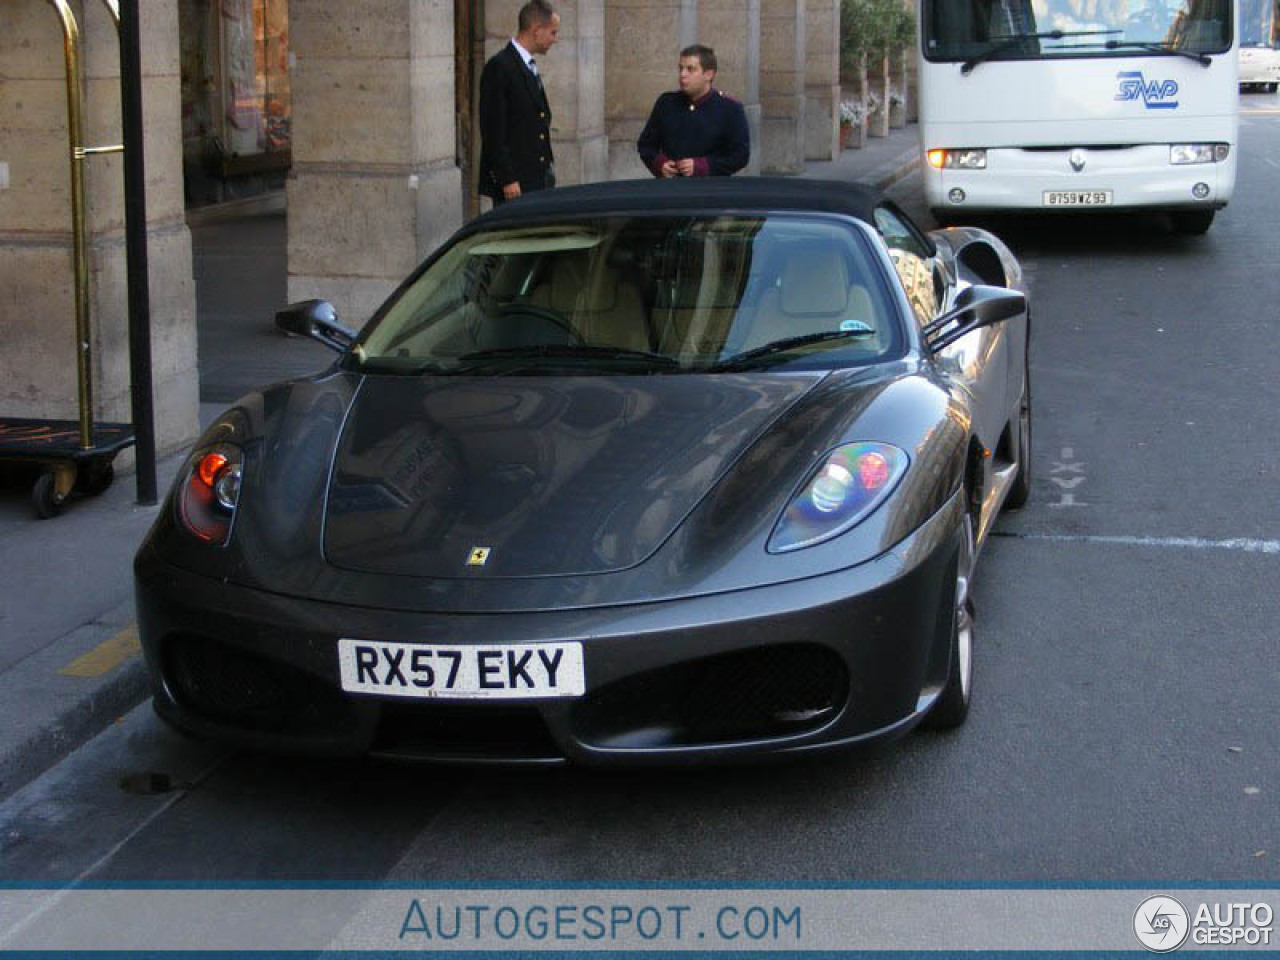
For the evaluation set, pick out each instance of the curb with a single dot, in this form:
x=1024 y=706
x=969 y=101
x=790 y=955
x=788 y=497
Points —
x=76 y=720
x=901 y=168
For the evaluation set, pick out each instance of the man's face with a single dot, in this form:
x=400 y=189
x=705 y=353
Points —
x=694 y=81
x=545 y=35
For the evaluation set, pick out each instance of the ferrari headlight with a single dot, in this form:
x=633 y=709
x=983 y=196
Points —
x=849 y=484
x=1185 y=153
x=209 y=491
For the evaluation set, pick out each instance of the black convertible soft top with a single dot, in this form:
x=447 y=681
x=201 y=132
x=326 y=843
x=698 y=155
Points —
x=701 y=193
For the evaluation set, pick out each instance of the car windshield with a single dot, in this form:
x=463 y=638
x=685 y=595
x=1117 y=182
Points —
x=640 y=295
x=1042 y=29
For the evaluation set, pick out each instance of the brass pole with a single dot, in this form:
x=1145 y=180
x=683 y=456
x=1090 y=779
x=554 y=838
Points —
x=75 y=134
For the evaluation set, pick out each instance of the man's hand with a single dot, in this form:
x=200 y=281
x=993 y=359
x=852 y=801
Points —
x=670 y=169
x=511 y=190
x=685 y=167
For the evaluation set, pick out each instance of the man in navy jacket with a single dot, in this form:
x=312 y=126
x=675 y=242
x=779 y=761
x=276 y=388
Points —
x=515 y=118
x=696 y=131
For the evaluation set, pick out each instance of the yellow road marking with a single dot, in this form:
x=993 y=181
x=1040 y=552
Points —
x=106 y=656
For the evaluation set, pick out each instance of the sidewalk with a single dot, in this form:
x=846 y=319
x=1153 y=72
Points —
x=69 y=660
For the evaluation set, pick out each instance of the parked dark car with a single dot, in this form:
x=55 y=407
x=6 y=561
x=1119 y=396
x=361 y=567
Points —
x=653 y=471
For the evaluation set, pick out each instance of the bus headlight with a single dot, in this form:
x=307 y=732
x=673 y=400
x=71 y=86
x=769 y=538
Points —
x=958 y=159
x=1184 y=153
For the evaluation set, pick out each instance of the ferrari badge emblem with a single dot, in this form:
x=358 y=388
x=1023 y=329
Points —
x=477 y=556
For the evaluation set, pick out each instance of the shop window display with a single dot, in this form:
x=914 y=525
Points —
x=236 y=102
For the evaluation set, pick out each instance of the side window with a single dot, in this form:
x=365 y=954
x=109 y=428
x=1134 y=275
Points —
x=912 y=261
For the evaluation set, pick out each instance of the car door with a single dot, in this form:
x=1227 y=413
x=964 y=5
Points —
x=978 y=362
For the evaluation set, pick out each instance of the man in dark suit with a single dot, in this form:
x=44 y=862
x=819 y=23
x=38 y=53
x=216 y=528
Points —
x=696 y=131
x=515 y=118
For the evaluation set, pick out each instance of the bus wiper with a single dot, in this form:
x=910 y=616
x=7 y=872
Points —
x=1008 y=43
x=790 y=343
x=1162 y=47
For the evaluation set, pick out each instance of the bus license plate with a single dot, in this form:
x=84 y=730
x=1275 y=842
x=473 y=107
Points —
x=430 y=672
x=1077 y=198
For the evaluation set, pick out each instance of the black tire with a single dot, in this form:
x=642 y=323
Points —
x=1020 y=491
x=1193 y=222
x=44 y=498
x=952 y=705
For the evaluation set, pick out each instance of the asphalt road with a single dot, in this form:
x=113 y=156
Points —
x=1126 y=725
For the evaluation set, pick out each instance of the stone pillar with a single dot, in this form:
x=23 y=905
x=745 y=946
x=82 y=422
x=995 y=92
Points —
x=375 y=184
x=642 y=50
x=572 y=73
x=822 y=80
x=732 y=29
x=37 y=289
x=782 y=82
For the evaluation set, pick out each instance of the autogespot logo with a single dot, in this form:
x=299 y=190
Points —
x=1161 y=924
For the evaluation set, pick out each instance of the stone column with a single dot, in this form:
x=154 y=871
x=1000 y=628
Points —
x=782 y=82
x=572 y=72
x=375 y=183
x=37 y=289
x=732 y=29
x=822 y=80
x=642 y=49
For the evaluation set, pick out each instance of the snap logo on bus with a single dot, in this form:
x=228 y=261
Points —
x=1161 y=924
x=1154 y=94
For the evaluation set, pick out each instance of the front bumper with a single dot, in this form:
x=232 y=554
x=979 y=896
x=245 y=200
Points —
x=1136 y=177
x=847 y=657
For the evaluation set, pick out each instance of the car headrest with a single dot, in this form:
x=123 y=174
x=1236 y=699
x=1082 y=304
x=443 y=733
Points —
x=814 y=282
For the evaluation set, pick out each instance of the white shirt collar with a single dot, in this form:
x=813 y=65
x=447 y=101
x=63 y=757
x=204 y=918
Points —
x=525 y=55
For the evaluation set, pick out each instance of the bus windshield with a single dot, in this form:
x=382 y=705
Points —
x=1257 y=23
x=1044 y=29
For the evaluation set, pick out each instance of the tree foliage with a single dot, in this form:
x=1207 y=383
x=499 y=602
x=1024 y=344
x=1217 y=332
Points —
x=873 y=27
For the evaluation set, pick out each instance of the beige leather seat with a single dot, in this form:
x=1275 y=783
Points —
x=813 y=294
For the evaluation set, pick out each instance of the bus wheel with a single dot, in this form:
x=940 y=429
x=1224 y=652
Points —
x=1192 y=222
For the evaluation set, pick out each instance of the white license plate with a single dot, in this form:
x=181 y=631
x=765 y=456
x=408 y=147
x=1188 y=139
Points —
x=1077 y=198
x=430 y=672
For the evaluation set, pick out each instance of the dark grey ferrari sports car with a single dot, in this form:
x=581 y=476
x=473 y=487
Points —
x=655 y=471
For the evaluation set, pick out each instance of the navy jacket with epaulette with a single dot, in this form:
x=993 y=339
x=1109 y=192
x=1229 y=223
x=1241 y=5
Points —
x=712 y=131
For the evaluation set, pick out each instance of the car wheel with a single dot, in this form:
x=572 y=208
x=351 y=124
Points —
x=1192 y=222
x=1020 y=491
x=952 y=705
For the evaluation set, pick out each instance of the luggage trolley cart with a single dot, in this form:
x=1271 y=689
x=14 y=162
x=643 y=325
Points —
x=72 y=455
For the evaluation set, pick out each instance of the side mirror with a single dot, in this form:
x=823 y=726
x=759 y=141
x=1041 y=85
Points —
x=976 y=306
x=318 y=320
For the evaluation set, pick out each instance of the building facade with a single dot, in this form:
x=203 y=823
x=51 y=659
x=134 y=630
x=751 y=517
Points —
x=365 y=111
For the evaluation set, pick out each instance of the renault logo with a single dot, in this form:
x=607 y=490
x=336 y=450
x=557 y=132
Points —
x=1076 y=158
x=477 y=556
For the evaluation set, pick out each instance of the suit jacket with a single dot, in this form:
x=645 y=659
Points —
x=515 y=126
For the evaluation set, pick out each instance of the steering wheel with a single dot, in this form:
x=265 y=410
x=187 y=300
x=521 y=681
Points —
x=547 y=315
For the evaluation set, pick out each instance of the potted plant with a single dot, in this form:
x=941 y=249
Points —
x=853 y=124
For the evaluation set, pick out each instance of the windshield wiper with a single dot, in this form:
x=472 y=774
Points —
x=1161 y=47
x=1008 y=43
x=497 y=360
x=782 y=346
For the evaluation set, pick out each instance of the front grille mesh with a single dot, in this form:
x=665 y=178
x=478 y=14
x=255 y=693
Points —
x=230 y=685
x=762 y=693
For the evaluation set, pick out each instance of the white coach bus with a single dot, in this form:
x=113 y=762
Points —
x=1069 y=104
x=1259 y=57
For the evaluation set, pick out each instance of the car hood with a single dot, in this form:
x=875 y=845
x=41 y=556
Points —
x=534 y=476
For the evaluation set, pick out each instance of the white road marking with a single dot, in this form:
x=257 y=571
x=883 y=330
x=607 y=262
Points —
x=1272 y=163
x=1237 y=544
x=1068 y=464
